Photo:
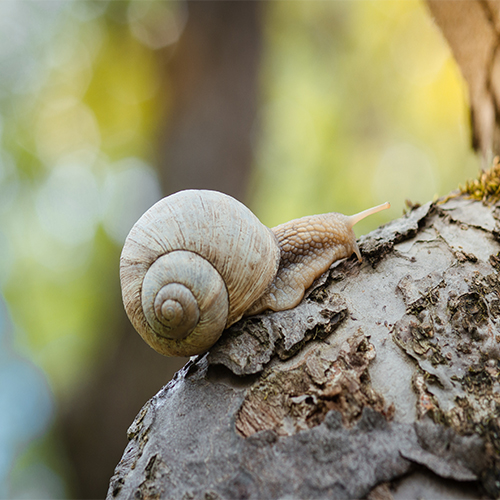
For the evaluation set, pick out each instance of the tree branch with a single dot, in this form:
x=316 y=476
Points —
x=383 y=381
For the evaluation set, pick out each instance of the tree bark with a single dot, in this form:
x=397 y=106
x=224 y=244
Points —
x=382 y=383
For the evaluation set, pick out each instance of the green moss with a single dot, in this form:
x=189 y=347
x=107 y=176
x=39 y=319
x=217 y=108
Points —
x=486 y=187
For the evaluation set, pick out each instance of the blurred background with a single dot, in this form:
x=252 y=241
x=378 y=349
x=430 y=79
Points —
x=292 y=107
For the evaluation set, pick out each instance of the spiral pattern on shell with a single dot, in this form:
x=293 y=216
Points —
x=191 y=266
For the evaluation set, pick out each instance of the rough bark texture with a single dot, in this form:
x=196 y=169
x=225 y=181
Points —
x=472 y=29
x=383 y=383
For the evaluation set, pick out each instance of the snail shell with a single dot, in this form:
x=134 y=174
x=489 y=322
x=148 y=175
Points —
x=197 y=261
x=184 y=269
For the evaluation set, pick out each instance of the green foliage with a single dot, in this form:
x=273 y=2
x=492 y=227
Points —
x=362 y=103
x=96 y=107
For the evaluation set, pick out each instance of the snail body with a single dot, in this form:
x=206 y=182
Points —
x=198 y=261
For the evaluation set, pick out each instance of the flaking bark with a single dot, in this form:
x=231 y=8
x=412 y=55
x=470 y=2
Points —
x=383 y=383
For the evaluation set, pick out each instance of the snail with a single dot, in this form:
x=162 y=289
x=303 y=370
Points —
x=198 y=261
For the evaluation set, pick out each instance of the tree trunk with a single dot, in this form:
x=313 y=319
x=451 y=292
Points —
x=214 y=76
x=472 y=29
x=382 y=383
